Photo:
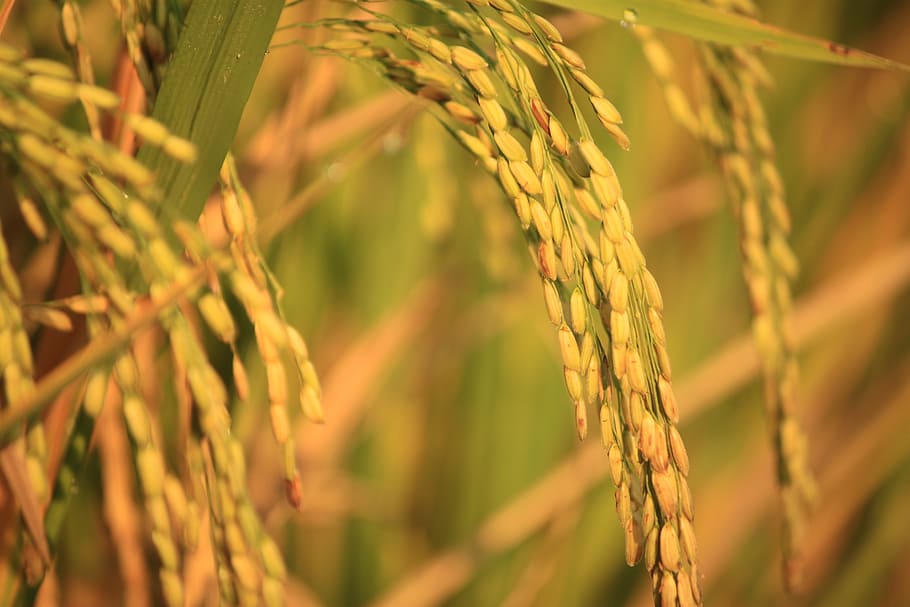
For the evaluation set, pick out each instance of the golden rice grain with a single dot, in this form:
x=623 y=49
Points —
x=581 y=420
x=136 y=415
x=669 y=548
x=276 y=382
x=525 y=177
x=522 y=205
x=549 y=30
x=605 y=110
x=606 y=427
x=553 y=302
x=588 y=84
x=568 y=346
x=281 y=426
x=647 y=437
x=467 y=60
x=538 y=153
x=661 y=455
x=558 y=136
x=594 y=380
x=648 y=513
x=623 y=503
x=618 y=360
x=635 y=369
x=587 y=203
x=47 y=67
x=180 y=149
x=532 y=51
x=619 y=292
x=620 y=328
x=687 y=537
x=668 y=591
x=665 y=490
x=572 y=58
x=509 y=146
x=151 y=471
x=685 y=499
x=637 y=409
x=546 y=259
x=517 y=23
x=311 y=405
x=678 y=449
x=685 y=595
x=651 y=549
x=634 y=543
x=614 y=455
x=481 y=83
x=567 y=254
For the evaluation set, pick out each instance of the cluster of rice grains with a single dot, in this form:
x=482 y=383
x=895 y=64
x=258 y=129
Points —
x=599 y=295
x=732 y=125
x=102 y=201
x=16 y=371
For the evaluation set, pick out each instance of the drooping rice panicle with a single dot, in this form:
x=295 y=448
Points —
x=17 y=373
x=150 y=466
x=259 y=293
x=732 y=125
x=77 y=181
x=489 y=101
x=756 y=189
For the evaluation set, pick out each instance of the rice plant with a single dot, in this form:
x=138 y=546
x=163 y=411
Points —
x=187 y=258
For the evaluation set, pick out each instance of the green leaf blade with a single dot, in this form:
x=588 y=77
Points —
x=203 y=95
x=708 y=24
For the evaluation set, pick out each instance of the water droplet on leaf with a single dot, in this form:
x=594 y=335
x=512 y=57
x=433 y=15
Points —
x=629 y=18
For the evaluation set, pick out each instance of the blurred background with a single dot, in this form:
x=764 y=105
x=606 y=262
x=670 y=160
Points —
x=448 y=471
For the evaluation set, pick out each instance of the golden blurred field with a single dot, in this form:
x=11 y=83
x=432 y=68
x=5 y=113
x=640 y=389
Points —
x=448 y=471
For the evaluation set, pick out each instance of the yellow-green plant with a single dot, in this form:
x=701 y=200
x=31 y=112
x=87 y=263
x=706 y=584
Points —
x=163 y=241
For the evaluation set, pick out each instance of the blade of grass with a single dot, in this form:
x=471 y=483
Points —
x=203 y=95
x=703 y=22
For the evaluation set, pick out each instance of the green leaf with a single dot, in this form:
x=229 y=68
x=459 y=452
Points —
x=204 y=92
x=703 y=22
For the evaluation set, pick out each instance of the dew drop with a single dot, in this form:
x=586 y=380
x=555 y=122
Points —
x=629 y=18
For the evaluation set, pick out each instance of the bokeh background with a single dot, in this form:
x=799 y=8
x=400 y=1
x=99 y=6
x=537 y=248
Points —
x=448 y=471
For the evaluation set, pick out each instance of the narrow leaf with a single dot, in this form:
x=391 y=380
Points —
x=703 y=22
x=206 y=88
